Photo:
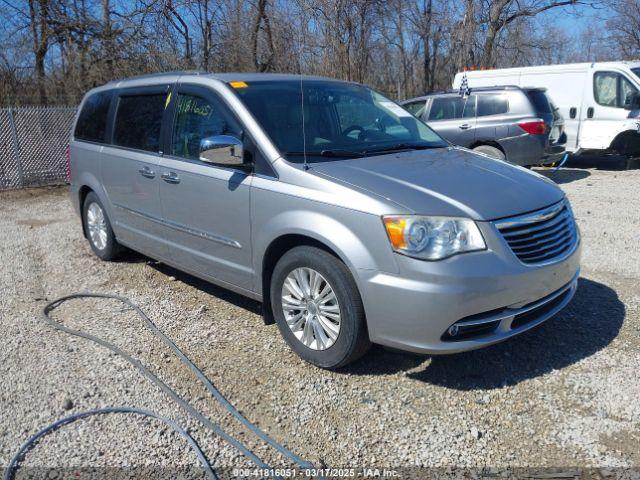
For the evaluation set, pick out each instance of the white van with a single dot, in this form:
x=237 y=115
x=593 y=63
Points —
x=599 y=101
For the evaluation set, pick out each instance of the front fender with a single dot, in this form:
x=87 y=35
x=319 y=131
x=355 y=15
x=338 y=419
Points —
x=357 y=238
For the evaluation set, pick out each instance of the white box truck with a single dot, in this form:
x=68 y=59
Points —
x=600 y=102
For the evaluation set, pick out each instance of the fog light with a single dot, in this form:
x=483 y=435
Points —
x=453 y=330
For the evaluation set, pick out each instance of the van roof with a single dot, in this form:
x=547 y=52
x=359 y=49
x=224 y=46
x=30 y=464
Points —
x=560 y=66
x=223 y=77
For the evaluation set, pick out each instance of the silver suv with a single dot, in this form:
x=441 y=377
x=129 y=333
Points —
x=518 y=125
x=347 y=217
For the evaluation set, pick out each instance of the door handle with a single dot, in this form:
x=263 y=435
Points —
x=590 y=112
x=171 y=177
x=573 y=112
x=147 y=172
x=465 y=126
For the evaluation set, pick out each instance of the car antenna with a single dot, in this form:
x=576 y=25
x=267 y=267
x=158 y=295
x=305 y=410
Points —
x=304 y=136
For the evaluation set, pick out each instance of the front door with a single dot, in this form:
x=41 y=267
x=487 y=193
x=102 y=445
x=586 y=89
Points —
x=205 y=208
x=453 y=117
x=130 y=168
x=604 y=114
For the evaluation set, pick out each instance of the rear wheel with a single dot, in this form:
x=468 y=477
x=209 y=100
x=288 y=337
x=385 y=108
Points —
x=98 y=228
x=493 y=152
x=318 y=308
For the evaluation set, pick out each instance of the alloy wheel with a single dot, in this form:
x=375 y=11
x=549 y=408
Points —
x=311 y=308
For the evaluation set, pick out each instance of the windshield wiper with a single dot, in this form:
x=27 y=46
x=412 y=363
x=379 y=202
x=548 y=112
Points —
x=328 y=153
x=402 y=146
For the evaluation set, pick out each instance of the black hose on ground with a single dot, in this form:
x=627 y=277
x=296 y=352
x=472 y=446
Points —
x=186 y=406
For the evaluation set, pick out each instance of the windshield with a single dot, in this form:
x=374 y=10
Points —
x=341 y=120
x=636 y=71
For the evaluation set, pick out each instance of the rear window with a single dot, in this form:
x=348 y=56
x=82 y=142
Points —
x=492 y=105
x=138 y=121
x=540 y=101
x=92 y=121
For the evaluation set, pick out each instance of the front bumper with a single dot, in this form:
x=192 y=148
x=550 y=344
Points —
x=415 y=309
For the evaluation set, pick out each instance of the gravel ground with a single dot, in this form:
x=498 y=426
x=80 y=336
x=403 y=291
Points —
x=562 y=396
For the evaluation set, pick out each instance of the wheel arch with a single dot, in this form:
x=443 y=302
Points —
x=82 y=195
x=274 y=252
x=626 y=142
x=490 y=143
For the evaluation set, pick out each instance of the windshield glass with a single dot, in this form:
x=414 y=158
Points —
x=341 y=120
x=636 y=71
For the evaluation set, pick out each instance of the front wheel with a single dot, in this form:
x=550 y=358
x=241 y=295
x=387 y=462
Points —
x=318 y=308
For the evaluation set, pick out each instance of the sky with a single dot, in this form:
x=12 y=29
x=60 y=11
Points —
x=577 y=17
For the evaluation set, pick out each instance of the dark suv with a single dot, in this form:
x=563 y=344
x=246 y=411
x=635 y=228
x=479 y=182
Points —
x=509 y=123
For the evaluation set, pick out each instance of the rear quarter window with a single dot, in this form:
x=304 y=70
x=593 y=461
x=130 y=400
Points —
x=92 y=120
x=139 y=120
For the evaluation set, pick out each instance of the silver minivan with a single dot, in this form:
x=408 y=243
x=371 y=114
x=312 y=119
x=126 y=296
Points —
x=347 y=217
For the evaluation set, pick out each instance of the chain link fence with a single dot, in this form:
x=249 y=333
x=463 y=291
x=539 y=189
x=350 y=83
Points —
x=33 y=144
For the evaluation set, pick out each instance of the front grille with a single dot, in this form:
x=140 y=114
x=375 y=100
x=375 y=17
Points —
x=541 y=236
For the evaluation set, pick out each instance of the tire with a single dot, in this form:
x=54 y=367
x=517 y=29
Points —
x=103 y=243
x=352 y=338
x=493 y=152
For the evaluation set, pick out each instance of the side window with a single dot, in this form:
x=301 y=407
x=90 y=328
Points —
x=446 y=108
x=469 y=107
x=626 y=89
x=492 y=105
x=605 y=88
x=198 y=118
x=415 y=108
x=138 y=121
x=92 y=121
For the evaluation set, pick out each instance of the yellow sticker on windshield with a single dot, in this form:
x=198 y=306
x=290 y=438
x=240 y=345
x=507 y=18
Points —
x=238 y=84
x=166 y=103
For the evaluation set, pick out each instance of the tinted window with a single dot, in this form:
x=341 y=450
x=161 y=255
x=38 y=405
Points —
x=138 y=121
x=92 y=121
x=198 y=118
x=492 y=105
x=415 y=108
x=446 y=108
x=539 y=100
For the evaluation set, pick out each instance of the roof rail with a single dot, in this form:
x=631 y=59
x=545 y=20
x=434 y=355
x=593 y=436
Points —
x=160 y=74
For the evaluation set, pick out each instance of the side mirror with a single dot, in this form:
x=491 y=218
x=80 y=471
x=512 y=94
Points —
x=224 y=150
x=632 y=101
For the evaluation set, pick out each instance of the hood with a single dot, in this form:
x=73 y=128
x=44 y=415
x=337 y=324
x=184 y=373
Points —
x=449 y=182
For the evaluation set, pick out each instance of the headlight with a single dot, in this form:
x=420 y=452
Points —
x=432 y=238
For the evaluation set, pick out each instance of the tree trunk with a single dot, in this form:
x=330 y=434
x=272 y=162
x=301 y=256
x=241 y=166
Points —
x=107 y=38
x=38 y=13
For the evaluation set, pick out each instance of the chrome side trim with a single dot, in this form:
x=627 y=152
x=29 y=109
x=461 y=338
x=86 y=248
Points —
x=183 y=228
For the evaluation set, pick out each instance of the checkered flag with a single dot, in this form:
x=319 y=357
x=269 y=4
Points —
x=464 y=86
